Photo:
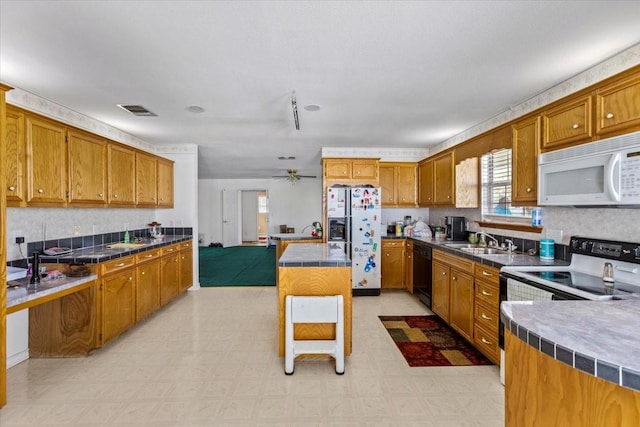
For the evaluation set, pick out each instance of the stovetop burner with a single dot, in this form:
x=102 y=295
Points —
x=584 y=282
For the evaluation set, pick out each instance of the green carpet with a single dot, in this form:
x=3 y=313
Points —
x=238 y=266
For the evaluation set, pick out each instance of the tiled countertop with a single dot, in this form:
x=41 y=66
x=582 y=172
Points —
x=293 y=236
x=19 y=294
x=102 y=253
x=600 y=338
x=314 y=255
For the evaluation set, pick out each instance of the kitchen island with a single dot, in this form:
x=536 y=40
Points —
x=572 y=363
x=316 y=269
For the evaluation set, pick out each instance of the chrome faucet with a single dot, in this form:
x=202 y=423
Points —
x=511 y=247
x=305 y=228
x=482 y=233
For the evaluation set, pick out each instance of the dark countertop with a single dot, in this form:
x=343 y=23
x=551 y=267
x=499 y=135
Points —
x=314 y=255
x=599 y=338
x=102 y=253
x=19 y=292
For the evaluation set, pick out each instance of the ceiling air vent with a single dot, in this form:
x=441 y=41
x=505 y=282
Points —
x=137 y=110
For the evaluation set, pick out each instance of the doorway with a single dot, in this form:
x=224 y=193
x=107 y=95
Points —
x=254 y=213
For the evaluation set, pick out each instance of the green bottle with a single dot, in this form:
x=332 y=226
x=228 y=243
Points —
x=126 y=235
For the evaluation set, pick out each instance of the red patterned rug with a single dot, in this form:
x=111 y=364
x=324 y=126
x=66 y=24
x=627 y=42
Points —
x=428 y=341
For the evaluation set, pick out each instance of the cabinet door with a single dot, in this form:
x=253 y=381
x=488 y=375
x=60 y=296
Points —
x=387 y=175
x=186 y=269
x=147 y=288
x=408 y=266
x=461 y=303
x=568 y=124
x=364 y=170
x=165 y=183
x=46 y=162
x=443 y=173
x=15 y=160
x=392 y=273
x=618 y=107
x=146 y=180
x=467 y=183
x=121 y=166
x=425 y=186
x=118 y=299
x=337 y=168
x=170 y=278
x=526 y=139
x=406 y=185
x=87 y=169
x=440 y=291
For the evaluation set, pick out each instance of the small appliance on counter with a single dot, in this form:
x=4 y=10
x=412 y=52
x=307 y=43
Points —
x=456 y=228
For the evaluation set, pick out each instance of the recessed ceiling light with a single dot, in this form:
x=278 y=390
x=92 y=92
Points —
x=195 y=109
x=312 y=107
x=286 y=158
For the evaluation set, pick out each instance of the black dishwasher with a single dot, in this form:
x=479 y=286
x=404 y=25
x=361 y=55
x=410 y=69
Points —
x=422 y=272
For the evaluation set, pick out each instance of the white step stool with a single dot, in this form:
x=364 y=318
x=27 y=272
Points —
x=305 y=309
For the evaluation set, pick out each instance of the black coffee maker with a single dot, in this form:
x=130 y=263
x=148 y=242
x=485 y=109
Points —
x=456 y=228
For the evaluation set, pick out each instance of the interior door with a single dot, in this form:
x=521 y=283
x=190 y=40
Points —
x=249 y=216
x=230 y=218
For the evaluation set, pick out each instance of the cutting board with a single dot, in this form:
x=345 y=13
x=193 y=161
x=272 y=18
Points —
x=125 y=245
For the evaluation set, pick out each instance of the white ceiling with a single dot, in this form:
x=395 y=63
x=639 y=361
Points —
x=386 y=74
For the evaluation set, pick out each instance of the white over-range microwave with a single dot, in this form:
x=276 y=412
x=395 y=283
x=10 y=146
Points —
x=601 y=173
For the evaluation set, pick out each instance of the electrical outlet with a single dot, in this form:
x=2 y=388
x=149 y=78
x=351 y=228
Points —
x=19 y=240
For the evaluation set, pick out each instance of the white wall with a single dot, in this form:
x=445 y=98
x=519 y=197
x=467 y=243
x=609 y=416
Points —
x=295 y=205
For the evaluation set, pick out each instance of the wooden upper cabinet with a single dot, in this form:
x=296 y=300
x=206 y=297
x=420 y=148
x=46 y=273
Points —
x=87 y=169
x=398 y=184
x=146 y=180
x=165 y=183
x=365 y=169
x=337 y=168
x=467 y=183
x=121 y=167
x=46 y=151
x=618 y=107
x=568 y=124
x=526 y=140
x=425 y=184
x=15 y=160
x=443 y=170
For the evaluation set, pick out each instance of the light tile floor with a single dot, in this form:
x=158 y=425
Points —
x=210 y=359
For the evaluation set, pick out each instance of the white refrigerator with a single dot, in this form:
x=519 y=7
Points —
x=359 y=209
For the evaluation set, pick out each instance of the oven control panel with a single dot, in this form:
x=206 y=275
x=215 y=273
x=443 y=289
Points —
x=622 y=251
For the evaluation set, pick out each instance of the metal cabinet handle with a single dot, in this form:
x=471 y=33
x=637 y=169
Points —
x=40 y=190
x=12 y=188
x=575 y=126
x=454 y=278
x=130 y=278
x=115 y=196
x=486 y=294
x=142 y=272
x=100 y=194
x=485 y=317
x=444 y=274
x=120 y=265
x=148 y=256
x=609 y=116
x=485 y=273
x=528 y=189
x=485 y=341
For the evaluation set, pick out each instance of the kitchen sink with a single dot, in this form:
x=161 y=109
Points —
x=485 y=251
x=462 y=246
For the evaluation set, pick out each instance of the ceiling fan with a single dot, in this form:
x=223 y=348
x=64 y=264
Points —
x=293 y=176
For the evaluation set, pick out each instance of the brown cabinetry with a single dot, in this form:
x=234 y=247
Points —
x=392 y=269
x=454 y=276
x=15 y=159
x=186 y=266
x=443 y=171
x=425 y=183
x=146 y=180
x=618 y=107
x=117 y=298
x=358 y=171
x=165 y=183
x=147 y=283
x=170 y=273
x=408 y=266
x=121 y=175
x=440 y=290
x=398 y=184
x=87 y=169
x=46 y=151
x=568 y=124
x=526 y=140
x=486 y=311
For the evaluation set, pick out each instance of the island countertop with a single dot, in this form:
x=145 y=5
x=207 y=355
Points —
x=600 y=338
x=294 y=236
x=314 y=255
x=20 y=297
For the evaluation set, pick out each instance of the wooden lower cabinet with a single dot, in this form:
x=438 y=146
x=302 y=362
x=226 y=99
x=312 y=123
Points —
x=461 y=303
x=440 y=290
x=392 y=264
x=487 y=311
x=118 y=303
x=147 y=283
x=170 y=274
x=186 y=267
x=408 y=266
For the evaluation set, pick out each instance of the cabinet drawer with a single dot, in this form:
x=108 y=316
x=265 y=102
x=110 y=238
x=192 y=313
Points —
x=117 y=265
x=488 y=293
x=486 y=316
x=185 y=245
x=147 y=255
x=170 y=249
x=486 y=273
x=461 y=264
x=487 y=342
x=391 y=243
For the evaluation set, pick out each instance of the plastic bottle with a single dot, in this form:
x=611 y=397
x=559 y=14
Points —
x=126 y=235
